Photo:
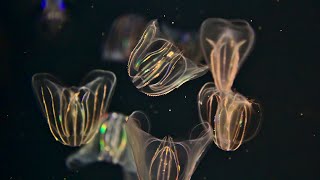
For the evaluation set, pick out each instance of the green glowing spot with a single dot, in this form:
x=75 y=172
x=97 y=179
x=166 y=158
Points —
x=138 y=63
x=60 y=118
x=103 y=129
x=102 y=144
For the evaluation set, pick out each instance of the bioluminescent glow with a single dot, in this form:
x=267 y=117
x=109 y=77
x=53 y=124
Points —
x=156 y=66
x=164 y=158
x=234 y=118
x=109 y=145
x=73 y=113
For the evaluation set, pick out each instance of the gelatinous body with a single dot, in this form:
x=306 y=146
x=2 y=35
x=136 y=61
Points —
x=225 y=44
x=54 y=14
x=164 y=158
x=109 y=145
x=123 y=37
x=233 y=118
x=156 y=66
x=73 y=113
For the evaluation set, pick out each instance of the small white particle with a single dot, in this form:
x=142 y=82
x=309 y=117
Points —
x=164 y=15
x=280 y=30
x=229 y=158
x=172 y=22
x=250 y=20
x=185 y=97
x=301 y=114
x=169 y=110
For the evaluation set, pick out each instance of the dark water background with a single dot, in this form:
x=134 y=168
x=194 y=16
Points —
x=282 y=73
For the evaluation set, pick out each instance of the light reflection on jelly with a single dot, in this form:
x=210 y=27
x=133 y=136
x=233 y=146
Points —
x=165 y=158
x=73 y=113
x=235 y=119
x=109 y=145
x=157 y=66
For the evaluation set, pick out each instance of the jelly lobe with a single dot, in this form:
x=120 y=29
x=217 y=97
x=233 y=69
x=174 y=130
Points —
x=225 y=45
x=114 y=145
x=165 y=163
x=163 y=158
x=224 y=68
x=90 y=153
x=231 y=121
x=73 y=113
x=109 y=145
x=156 y=66
x=234 y=118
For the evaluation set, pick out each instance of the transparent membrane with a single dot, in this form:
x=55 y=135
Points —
x=225 y=45
x=156 y=65
x=109 y=145
x=73 y=113
x=164 y=158
x=233 y=117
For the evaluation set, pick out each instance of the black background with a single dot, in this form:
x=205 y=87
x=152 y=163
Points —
x=281 y=72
